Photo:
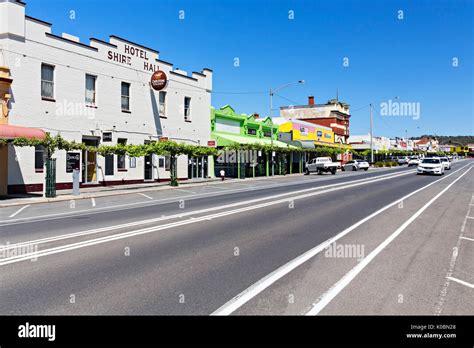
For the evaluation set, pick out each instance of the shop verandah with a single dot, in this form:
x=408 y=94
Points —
x=241 y=161
x=254 y=163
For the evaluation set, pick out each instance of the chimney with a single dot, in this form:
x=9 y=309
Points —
x=255 y=115
x=310 y=100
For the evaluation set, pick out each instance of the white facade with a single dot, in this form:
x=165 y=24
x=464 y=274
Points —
x=362 y=142
x=27 y=43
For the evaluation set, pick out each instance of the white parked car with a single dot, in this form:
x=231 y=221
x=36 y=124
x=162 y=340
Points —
x=356 y=165
x=430 y=165
x=402 y=160
x=414 y=161
x=446 y=163
x=321 y=165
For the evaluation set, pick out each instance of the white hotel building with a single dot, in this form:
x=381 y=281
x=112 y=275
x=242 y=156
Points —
x=95 y=93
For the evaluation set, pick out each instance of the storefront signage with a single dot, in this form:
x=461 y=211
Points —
x=211 y=143
x=158 y=80
x=128 y=53
x=73 y=160
x=107 y=136
x=164 y=139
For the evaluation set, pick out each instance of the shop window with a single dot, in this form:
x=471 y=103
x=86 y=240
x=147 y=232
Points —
x=47 y=81
x=109 y=164
x=90 y=89
x=121 y=158
x=161 y=162
x=39 y=158
x=168 y=163
x=125 y=96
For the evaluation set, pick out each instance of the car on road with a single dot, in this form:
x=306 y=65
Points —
x=356 y=165
x=402 y=160
x=414 y=161
x=430 y=165
x=321 y=165
x=446 y=163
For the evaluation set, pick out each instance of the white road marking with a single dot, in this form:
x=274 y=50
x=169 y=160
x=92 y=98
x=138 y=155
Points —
x=452 y=264
x=326 y=298
x=93 y=202
x=242 y=184
x=19 y=211
x=144 y=195
x=125 y=206
x=170 y=225
x=472 y=240
x=469 y=217
x=180 y=189
x=194 y=212
x=217 y=187
x=252 y=291
x=461 y=282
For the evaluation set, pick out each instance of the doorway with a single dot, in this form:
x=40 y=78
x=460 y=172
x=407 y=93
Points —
x=89 y=162
x=148 y=167
x=197 y=167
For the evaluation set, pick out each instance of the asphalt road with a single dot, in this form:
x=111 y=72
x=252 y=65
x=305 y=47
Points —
x=249 y=247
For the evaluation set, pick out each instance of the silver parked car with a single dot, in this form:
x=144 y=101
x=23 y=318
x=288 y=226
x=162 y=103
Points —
x=446 y=163
x=356 y=165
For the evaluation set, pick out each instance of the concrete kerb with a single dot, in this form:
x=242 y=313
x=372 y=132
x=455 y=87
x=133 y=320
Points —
x=121 y=191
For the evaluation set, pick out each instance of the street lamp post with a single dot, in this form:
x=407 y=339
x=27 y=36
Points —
x=371 y=135
x=372 y=131
x=272 y=91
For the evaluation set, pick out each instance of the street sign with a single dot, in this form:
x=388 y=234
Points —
x=158 y=80
x=72 y=161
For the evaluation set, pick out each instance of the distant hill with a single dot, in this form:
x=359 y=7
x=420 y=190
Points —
x=459 y=140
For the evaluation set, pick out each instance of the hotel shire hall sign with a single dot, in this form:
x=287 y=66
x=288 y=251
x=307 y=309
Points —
x=133 y=56
x=139 y=58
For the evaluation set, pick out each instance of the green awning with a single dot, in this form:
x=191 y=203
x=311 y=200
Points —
x=229 y=139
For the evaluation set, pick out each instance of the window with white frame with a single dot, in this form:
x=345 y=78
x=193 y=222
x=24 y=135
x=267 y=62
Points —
x=47 y=81
x=125 y=96
x=187 y=108
x=162 y=101
x=90 y=89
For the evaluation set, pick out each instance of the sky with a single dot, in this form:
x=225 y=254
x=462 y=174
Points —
x=417 y=54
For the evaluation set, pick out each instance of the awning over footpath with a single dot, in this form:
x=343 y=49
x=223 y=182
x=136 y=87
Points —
x=11 y=132
x=229 y=139
x=338 y=145
x=305 y=144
